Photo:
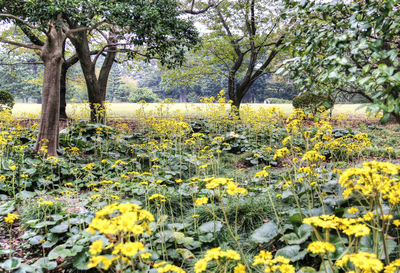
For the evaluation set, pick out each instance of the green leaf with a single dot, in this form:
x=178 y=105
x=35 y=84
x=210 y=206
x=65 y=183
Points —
x=385 y=118
x=7 y=208
x=61 y=228
x=35 y=240
x=293 y=253
x=59 y=251
x=5 y=251
x=45 y=263
x=296 y=218
x=212 y=226
x=185 y=253
x=266 y=233
x=11 y=264
x=306 y=269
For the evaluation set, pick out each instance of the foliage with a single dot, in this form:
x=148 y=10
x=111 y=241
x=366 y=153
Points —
x=146 y=94
x=310 y=102
x=6 y=100
x=177 y=194
x=348 y=47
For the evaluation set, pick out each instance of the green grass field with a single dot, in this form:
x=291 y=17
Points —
x=127 y=111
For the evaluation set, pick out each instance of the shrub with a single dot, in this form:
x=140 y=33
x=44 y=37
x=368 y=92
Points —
x=6 y=100
x=310 y=102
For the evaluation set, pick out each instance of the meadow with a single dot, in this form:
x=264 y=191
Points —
x=127 y=111
x=194 y=189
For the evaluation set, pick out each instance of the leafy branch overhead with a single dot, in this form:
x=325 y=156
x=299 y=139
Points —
x=349 y=48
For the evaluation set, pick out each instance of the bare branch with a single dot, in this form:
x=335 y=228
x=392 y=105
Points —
x=34 y=47
x=22 y=63
x=17 y=19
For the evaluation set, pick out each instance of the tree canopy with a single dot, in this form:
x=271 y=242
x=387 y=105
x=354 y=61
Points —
x=351 y=47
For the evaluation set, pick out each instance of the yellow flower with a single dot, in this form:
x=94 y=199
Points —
x=145 y=255
x=357 y=230
x=96 y=247
x=11 y=217
x=320 y=247
x=396 y=222
x=131 y=248
x=47 y=203
x=156 y=195
x=200 y=266
x=353 y=210
x=239 y=268
x=201 y=201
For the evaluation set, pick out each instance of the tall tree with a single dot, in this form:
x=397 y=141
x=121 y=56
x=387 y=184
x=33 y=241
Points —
x=243 y=39
x=138 y=28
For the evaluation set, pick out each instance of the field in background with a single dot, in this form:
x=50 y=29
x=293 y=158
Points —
x=127 y=111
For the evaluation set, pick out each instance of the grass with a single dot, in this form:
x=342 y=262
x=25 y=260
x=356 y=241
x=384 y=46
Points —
x=128 y=111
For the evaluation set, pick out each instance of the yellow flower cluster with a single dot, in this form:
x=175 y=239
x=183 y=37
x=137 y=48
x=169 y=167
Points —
x=313 y=156
x=214 y=254
x=233 y=189
x=349 y=226
x=366 y=262
x=281 y=153
x=122 y=221
x=319 y=247
x=201 y=201
x=217 y=182
x=11 y=217
x=272 y=265
x=373 y=178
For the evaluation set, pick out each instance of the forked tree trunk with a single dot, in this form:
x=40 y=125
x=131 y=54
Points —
x=51 y=54
x=96 y=86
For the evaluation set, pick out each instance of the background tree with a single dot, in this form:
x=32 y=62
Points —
x=148 y=29
x=349 y=47
x=242 y=41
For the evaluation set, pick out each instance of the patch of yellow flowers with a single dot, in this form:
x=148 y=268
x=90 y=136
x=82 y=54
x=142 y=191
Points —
x=123 y=224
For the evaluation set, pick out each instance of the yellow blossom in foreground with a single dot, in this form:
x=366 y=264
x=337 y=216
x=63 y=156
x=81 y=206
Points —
x=239 y=268
x=367 y=262
x=96 y=247
x=320 y=247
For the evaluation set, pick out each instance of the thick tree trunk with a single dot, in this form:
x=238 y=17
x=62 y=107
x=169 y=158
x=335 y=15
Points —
x=51 y=54
x=96 y=87
x=63 y=91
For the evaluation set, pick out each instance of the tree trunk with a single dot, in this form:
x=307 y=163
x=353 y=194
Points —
x=51 y=54
x=96 y=87
x=63 y=91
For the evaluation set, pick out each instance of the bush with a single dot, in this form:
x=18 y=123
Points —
x=310 y=102
x=278 y=101
x=6 y=100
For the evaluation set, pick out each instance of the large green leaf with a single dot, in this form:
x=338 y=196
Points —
x=266 y=233
x=212 y=226
x=292 y=252
x=11 y=264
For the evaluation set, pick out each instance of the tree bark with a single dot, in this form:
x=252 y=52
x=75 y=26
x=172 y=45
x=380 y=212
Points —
x=96 y=87
x=51 y=54
x=63 y=91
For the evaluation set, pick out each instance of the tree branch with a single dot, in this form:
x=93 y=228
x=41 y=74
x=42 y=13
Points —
x=34 y=47
x=17 y=19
